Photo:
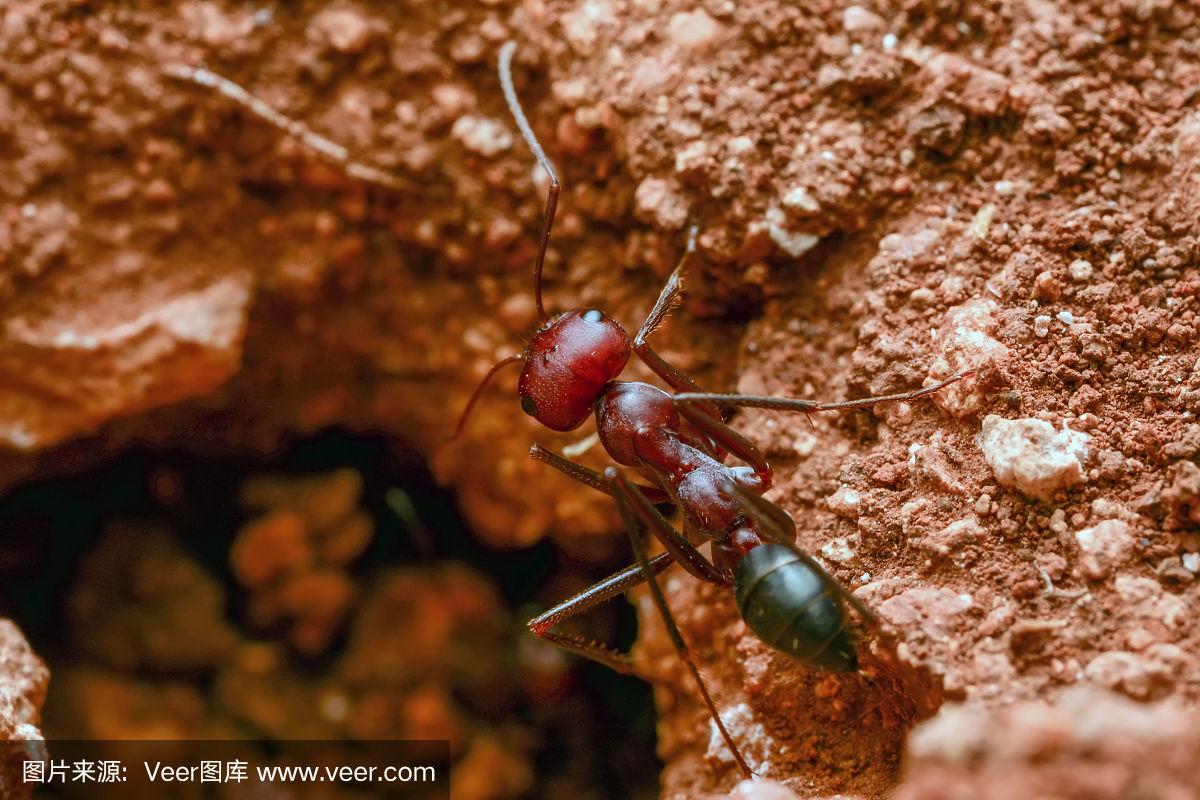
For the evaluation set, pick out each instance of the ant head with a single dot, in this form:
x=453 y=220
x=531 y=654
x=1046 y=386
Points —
x=567 y=364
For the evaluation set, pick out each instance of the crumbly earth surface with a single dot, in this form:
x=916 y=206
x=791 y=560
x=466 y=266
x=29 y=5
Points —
x=22 y=692
x=890 y=193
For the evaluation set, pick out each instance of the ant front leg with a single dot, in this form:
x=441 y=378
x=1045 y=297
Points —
x=668 y=299
x=626 y=498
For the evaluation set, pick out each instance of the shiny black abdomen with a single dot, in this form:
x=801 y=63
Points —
x=795 y=607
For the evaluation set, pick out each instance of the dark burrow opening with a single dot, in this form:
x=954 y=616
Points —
x=331 y=593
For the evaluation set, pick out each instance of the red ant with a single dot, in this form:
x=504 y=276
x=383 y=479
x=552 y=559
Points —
x=570 y=370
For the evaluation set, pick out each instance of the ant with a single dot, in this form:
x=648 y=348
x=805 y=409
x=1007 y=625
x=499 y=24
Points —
x=570 y=370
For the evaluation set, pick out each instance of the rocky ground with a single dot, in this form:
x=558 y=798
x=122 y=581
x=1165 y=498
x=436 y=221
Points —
x=887 y=193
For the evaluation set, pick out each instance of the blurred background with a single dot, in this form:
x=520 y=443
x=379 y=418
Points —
x=332 y=593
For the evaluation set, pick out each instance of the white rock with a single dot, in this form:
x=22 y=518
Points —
x=693 y=30
x=793 y=243
x=954 y=536
x=839 y=550
x=487 y=137
x=845 y=502
x=964 y=343
x=1029 y=455
x=798 y=198
x=1137 y=675
x=805 y=445
x=1102 y=547
x=745 y=728
x=909 y=247
x=657 y=201
x=856 y=19
x=1146 y=599
x=927 y=611
x=691 y=156
x=759 y=789
x=956 y=735
x=583 y=25
x=1080 y=270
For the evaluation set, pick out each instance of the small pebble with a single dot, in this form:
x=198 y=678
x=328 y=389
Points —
x=794 y=243
x=857 y=19
x=481 y=135
x=1031 y=456
x=1041 y=326
x=760 y=789
x=845 y=502
x=693 y=30
x=1080 y=270
x=1102 y=547
x=346 y=30
x=922 y=297
x=659 y=202
x=805 y=445
x=799 y=198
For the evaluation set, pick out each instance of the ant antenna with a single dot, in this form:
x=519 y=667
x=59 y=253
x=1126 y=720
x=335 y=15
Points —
x=514 y=106
x=462 y=420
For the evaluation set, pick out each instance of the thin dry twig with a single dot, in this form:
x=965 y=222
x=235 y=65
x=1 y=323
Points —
x=1054 y=591
x=292 y=127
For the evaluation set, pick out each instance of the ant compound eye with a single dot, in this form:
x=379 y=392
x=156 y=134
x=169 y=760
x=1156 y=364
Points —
x=593 y=315
x=528 y=406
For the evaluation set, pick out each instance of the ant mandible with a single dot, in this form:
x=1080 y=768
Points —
x=569 y=371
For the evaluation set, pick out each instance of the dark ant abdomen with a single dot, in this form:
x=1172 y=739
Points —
x=793 y=606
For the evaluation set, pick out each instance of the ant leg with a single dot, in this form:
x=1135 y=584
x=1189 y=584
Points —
x=626 y=499
x=778 y=526
x=589 y=477
x=606 y=589
x=675 y=542
x=808 y=406
x=668 y=300
x=730 y=440
x=776 y=523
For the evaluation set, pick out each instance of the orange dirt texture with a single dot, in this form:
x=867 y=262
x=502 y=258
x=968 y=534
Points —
x=887 y=193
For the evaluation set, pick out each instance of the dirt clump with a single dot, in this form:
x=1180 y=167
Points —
x=22 y=693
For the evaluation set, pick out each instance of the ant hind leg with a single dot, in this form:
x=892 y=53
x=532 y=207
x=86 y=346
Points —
x=624 y=493
x=642 y=504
